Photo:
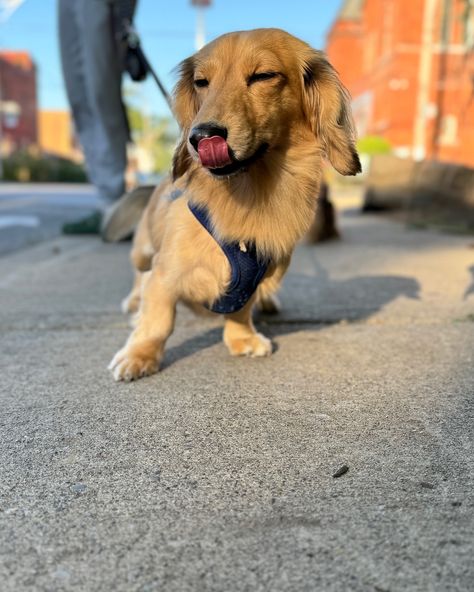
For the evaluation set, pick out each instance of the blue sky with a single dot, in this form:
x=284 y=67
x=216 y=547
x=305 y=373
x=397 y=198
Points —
x=167 y=30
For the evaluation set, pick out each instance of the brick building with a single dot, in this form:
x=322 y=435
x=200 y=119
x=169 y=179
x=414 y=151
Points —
x=56 y=135
x=409 y=65
x=18 y=101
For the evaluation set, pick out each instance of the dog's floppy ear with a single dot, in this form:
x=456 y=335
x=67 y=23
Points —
x=181 y=157
x=185 y=108
x=185 y=104
x=327 y=108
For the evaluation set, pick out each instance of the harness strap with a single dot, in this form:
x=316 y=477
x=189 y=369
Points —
x=247 y=268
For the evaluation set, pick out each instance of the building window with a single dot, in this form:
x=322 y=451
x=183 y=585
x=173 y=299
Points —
x=449 y=131
x=468 y=22
x=11 y=114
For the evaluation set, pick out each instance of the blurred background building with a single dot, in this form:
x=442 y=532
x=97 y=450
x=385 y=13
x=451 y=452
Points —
x=34 y=144
x=409 y=65
x=18 y=101
x=56 y=134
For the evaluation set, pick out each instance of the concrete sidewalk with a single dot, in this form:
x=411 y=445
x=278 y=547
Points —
x=217 y=474
x=34 y=212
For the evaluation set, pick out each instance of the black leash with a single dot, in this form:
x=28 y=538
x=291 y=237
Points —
x=136 y=62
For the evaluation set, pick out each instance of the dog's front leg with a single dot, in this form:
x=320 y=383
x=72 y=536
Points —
x=240 y=335
x=131 y=303
x=142 y=354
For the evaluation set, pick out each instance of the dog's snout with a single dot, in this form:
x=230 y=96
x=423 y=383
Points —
x=206 y=130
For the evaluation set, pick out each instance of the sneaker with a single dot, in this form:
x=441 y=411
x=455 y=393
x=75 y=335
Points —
x=89 y=225
x=121 y=219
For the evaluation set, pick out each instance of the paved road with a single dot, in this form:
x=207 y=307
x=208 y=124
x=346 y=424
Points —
x=217 y=474
x=31 y=213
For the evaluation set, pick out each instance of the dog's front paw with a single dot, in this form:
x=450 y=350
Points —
x=129 y=364
x=255 y=346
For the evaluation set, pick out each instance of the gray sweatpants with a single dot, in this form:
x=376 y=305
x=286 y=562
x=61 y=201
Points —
x=91 y=62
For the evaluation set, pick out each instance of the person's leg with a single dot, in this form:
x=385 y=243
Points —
x=103 y=79
x=73 y=66
x=92 y=72
x=71 y=42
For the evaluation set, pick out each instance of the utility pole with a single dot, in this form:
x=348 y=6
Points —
x=200 y=23
x=424 y=79
x=442 y=73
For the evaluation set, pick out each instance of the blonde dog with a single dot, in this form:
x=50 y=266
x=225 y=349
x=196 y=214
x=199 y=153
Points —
x=258 y=112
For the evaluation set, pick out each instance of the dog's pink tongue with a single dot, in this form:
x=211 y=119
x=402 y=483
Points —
x=214 y=152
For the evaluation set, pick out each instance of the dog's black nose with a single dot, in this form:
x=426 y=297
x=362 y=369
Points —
x=206 y=130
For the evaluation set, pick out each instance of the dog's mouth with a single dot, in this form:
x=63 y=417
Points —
x=219 y=159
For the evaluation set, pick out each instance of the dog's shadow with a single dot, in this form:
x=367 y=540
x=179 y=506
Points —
x=311 y=303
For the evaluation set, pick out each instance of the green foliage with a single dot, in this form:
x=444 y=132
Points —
x=156 y=135
x=372 y=145
x=25 y=166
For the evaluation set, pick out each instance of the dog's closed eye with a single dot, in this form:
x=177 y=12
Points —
x=261 y=77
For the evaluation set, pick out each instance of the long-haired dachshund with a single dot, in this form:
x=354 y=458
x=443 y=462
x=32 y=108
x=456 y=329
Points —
x=258 y=110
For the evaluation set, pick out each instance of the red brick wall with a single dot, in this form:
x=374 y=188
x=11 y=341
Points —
x=378 y=58
x=344 y=46
x=18 y=85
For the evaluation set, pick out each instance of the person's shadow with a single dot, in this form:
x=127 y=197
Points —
x=314 y=302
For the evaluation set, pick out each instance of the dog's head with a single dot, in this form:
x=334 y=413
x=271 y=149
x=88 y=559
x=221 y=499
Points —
x=249 y=92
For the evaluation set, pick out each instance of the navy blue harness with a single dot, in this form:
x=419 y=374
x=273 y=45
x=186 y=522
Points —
x=247 y=268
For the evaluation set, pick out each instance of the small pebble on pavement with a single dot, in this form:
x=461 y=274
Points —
x=341 y=471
